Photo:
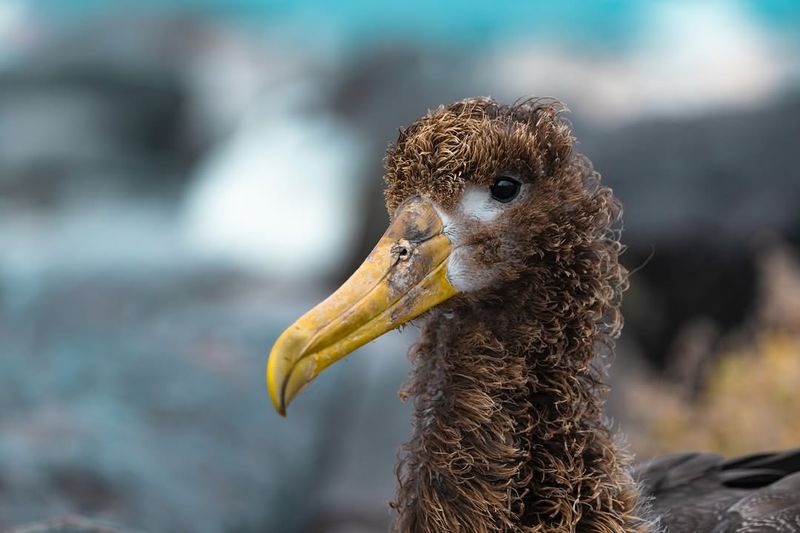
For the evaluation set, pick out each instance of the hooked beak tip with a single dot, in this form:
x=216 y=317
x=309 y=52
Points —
x=278 y=403
x=276 y=389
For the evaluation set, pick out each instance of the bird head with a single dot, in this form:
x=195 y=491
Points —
x=480 y=195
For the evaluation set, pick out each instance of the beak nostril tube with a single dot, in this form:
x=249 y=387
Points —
x=401 y=249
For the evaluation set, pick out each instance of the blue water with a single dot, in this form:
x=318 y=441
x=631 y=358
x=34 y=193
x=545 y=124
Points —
x=603 y=23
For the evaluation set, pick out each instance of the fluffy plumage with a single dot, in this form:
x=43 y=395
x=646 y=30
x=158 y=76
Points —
x=508 y=378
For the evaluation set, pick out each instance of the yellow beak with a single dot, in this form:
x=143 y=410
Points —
x=403 y=276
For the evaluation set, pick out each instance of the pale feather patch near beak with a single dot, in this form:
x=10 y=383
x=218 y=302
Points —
x=476 y=206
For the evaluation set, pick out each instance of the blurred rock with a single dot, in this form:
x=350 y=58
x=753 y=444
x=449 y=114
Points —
x=74 y=127
x=728 y=174
x=678 y=280
x=141 y=399
x=70 y=524
x=62 y=113
x=703 y=198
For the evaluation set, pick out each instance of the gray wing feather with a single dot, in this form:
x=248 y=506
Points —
x=705 y=493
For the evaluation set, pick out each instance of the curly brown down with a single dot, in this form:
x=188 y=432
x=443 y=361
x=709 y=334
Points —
x=507 y=383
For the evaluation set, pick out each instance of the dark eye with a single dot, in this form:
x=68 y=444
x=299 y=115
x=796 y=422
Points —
x=505 y=189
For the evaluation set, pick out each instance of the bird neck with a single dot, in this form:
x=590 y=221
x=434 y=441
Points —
x=508 y=427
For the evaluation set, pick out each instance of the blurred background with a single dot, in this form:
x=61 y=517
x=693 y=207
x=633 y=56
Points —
x=180 y=180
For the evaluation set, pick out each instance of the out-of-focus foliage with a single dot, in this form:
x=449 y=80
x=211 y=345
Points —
x=750 y=403
x=749 y=399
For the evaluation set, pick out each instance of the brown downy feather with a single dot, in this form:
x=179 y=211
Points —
x=508 y=430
